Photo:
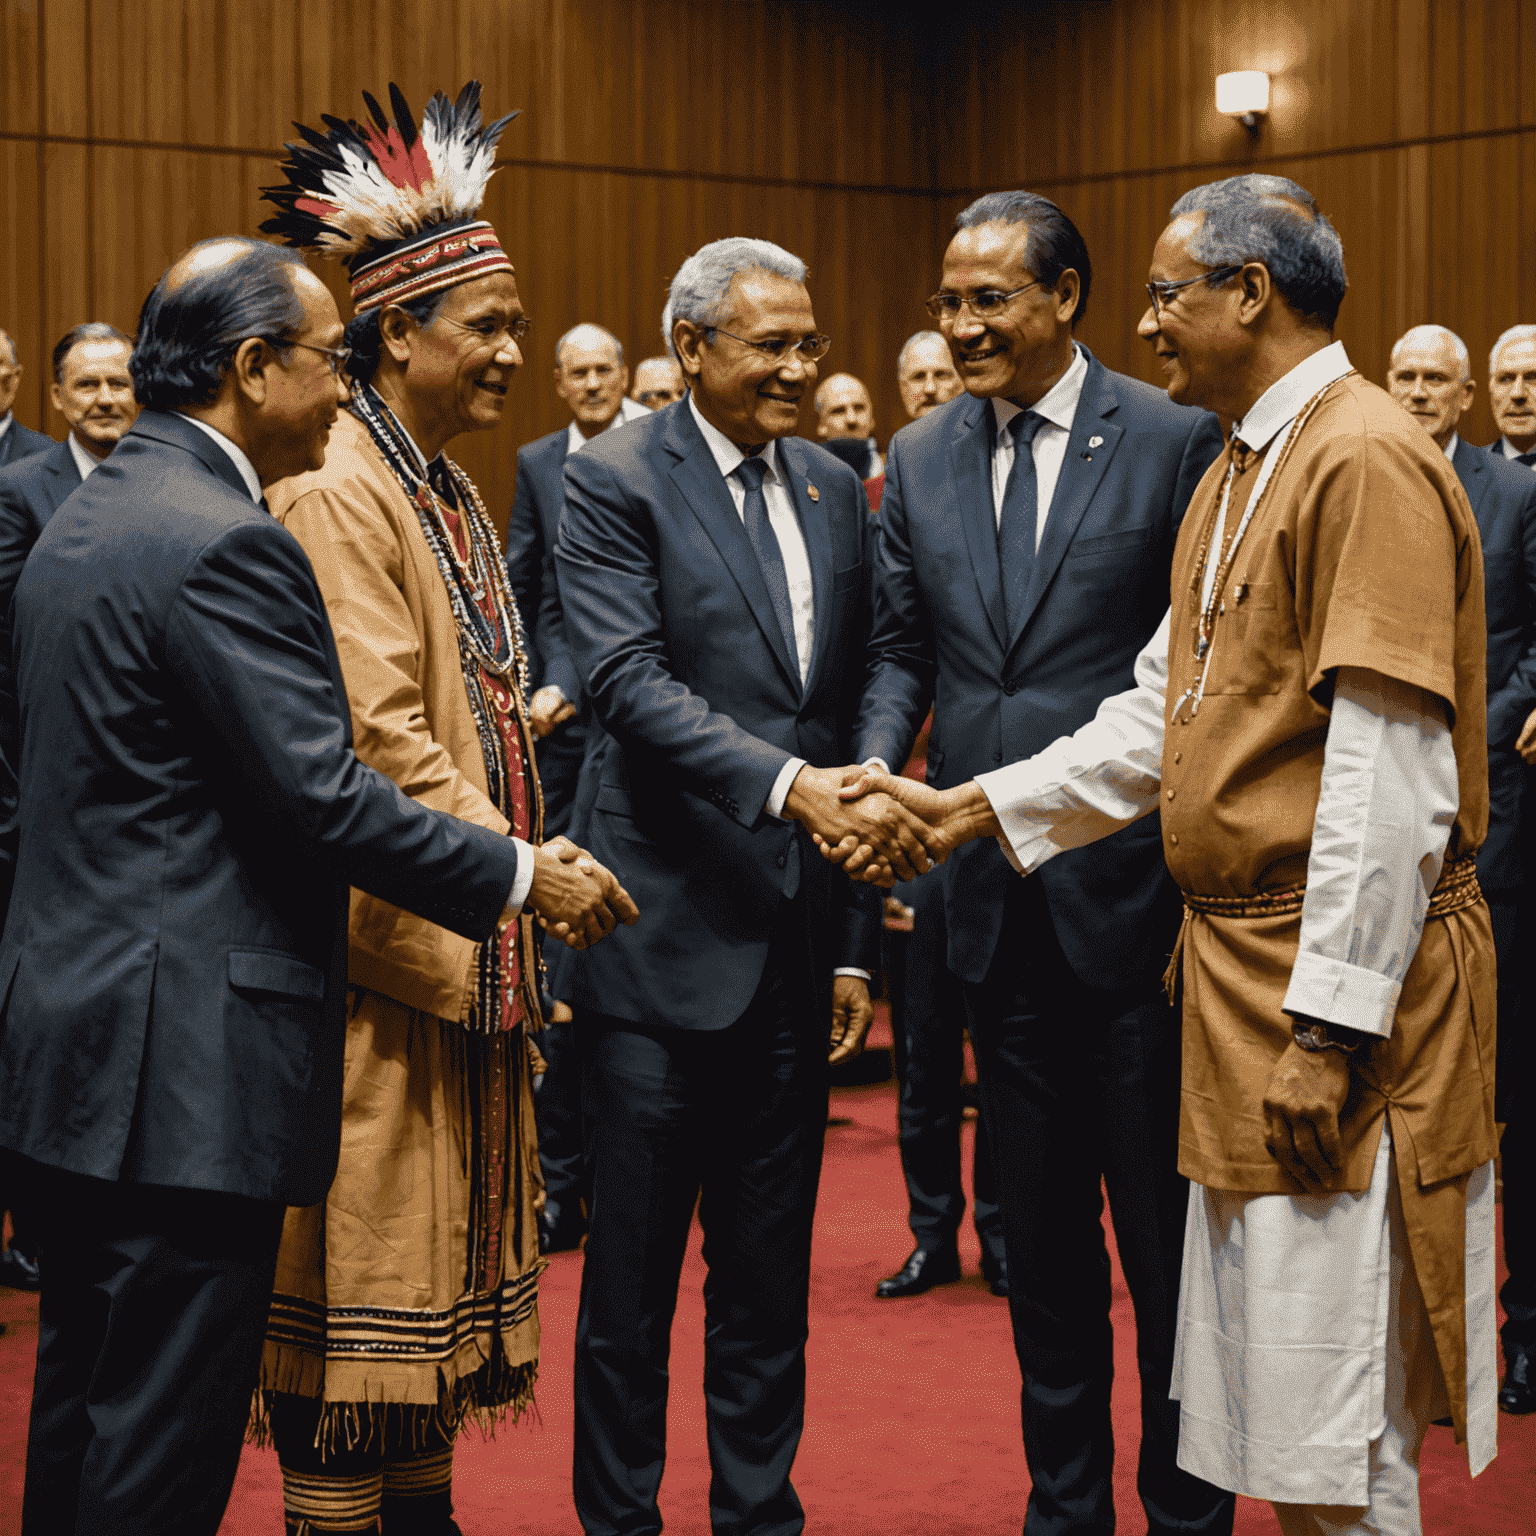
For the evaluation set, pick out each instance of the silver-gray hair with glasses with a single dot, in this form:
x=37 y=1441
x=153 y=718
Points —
x=699 y=290
x=1270 y=219
x=913 y=340
x=1436 y=333
x=597 y=330
x=1514 y=333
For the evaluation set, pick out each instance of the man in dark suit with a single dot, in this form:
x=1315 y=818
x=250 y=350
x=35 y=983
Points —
x=1431 y=379
x=1027 y=532
x=173 y=966
x=1512 y=395
x=715 y=573
x=16 y=441
x=93 y=391
x=591 y=378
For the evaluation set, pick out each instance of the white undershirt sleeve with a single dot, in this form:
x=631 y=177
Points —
x=1388 y=800
x=1084 y=786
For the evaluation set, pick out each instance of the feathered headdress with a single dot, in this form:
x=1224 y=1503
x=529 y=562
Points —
x=395 y=204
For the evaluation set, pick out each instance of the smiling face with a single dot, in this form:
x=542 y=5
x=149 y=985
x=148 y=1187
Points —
x=750 y=396
x=590 y=378
x=1019 y=353
x=1196 y=334
x=95 y=394
x=301 y=395
x=844 y=407
x=1426 y=380
x=1512 y=392
x=927 y=377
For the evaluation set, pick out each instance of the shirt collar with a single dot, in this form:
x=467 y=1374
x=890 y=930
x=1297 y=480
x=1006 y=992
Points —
x=629 y=410
x=5 y=423
x=1059 y=403
x=1278 y=406
x=1450 y=447
x=726 y=454
x=236 y=455
x=84 y=462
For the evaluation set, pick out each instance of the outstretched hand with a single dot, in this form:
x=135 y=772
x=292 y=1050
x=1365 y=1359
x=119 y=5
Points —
x=901 y=839
x=951 y=817
x=575 y=898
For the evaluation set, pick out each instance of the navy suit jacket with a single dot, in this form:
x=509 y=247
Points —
x=670 y=622
x=21 y=443
x=1099 y=590
x=1503 y=497
x=173 y=967
x=531 y=531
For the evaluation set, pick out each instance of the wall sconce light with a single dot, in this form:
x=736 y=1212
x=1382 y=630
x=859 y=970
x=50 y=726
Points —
x=1243 y=94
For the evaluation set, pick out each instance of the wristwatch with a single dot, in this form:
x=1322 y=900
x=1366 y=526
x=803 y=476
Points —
x=1312 y=1036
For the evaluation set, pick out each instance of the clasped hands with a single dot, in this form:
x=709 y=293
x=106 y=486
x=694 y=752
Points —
x=576 y=899
x=881 y=827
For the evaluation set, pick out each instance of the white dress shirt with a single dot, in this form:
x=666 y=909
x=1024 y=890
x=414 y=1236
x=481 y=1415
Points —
x=1450 y=446
x=1059 y=408
x=1388 y=797
x=84 y=462
x=5 y=425
x=629 y=410
x=1512 y=453
x=235 y=454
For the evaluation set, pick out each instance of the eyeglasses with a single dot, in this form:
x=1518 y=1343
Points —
x=986 y=305
x=1162 y=292
x=811 y=348
x=337 y=357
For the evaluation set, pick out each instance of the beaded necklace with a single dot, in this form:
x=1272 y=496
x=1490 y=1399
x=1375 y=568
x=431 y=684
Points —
x=493 y=642
x=1205 y=624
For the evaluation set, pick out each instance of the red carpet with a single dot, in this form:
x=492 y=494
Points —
x=912 y=1419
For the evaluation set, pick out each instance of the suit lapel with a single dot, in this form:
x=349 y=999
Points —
x=1468 y=464
x=817 y=532
x=970 y=457
x=63 y=474
x=698 y=477
x=1082 y=469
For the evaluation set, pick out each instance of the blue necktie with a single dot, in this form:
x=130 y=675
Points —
x=754 y=513
x=1016 y=526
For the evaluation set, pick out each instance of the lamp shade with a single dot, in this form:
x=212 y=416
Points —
x=1242 y=91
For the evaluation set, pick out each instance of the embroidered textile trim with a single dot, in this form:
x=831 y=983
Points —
x=437 y=262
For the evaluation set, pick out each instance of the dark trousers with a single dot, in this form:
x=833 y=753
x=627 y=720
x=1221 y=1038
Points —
x=927 y=1026
x=734 y=1118
x=16 y=1198
x=1513 y=922
x=1080 y=1089
x=154 y=1306
x=557 y=1110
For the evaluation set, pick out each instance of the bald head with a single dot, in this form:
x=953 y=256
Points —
x=844 y=409
x=206 y=259
x=1512 y=386
x=925 y=373
x=10 y=372
x=1430 y=378
x=658 y=382
x=590 y=376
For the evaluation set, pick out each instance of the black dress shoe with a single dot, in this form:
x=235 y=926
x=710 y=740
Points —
x=558 y=1232
x=1518 y=1394
x=995 y=1273
x=924 y=1269
x=19 y=1272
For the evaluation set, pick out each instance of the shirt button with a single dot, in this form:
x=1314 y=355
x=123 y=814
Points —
x=1177 y=756
x=782 y=860
x=1170 y=794
x=1173 y=837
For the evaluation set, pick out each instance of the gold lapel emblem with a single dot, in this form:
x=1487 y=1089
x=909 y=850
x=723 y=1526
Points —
x=815 y=495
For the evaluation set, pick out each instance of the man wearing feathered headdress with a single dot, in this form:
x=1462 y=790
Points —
x=408 y=1301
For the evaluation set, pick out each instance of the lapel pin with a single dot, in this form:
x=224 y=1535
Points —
x=1094 y=442
x=815 y=495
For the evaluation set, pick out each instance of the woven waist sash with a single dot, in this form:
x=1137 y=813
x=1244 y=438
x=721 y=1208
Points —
x=1455 y=890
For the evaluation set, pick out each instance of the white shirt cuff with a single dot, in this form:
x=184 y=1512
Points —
x=851 y=970
x=877 y=762
x=1340 y=993
x=1025 y=841
x=780 y=791
x=523 y=883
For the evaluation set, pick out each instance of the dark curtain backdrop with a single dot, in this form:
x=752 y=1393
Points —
x=850 y=133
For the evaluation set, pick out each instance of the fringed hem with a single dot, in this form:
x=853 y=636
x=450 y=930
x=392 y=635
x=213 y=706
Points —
x=499 y=1392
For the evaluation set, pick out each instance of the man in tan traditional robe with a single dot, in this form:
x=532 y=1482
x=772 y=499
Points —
x=1310 y=723
x=407 y=1302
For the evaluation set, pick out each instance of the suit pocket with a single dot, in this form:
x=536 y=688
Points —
x=269 y=970
x=612 y=801
x=1106 y=543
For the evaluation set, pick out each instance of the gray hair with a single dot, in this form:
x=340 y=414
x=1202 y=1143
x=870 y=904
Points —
x=10 y=346
x=1435 y=333
x=575 y=333
x=913 y=340
x=1514 y=333
x=92 y=330
x=827 y=383
x=1272 y=220
x=699 y=290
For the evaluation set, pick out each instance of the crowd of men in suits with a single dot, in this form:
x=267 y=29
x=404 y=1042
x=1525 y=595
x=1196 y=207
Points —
x=722 y=640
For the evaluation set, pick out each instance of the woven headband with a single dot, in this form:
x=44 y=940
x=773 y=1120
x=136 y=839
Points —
x=429 y=264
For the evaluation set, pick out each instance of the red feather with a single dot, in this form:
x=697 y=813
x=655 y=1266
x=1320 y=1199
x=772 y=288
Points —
x=315 y=206
x=404 y=167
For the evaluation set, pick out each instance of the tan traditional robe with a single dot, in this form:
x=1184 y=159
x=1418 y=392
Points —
x=1363 y=553
x=374 y=1299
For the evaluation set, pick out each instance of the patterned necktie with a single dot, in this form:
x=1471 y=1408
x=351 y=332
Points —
x=1016 y=525
x=754 y=513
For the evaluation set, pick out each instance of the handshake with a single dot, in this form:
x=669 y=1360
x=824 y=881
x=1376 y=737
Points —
x=576 y=899
x=881 y=828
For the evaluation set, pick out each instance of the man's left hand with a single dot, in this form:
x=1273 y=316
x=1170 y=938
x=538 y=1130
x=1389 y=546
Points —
x=851 y=1015
x=547 y=709
x=1302 y=1100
